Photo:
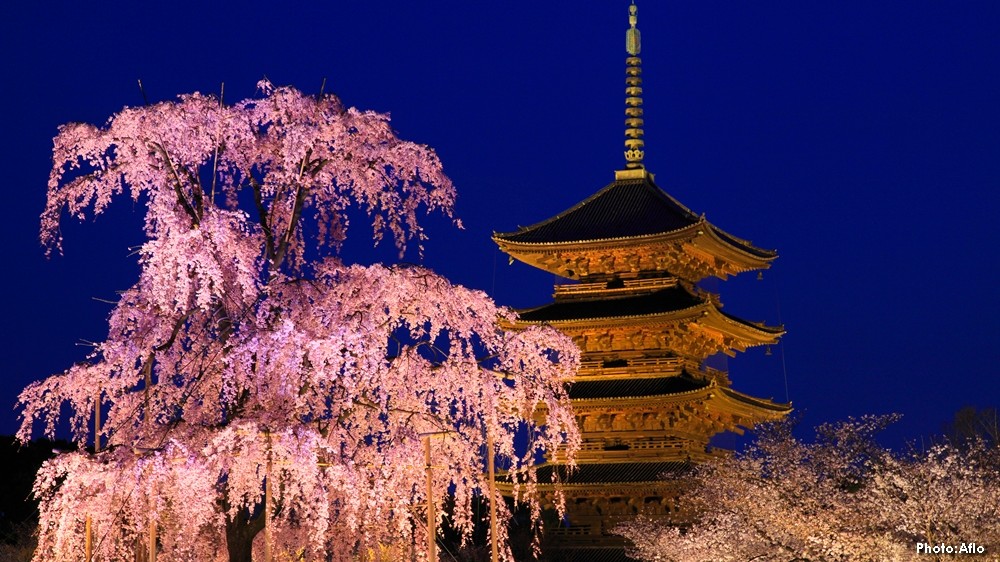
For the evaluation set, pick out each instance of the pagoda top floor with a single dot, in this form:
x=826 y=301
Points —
x=632 y=229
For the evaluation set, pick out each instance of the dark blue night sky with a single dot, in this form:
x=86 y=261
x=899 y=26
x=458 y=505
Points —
x=860 y=139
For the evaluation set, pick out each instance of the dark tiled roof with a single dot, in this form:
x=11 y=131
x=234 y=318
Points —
x=665 y=300
x=766 y=404
x=613 y=472
x=569 y=554
x=622 y=209
x=633 y=387
x=743 y=245
x=759 y=326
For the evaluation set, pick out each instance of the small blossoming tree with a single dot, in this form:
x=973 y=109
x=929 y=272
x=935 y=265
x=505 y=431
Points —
x=251 y=377
x=840 y=499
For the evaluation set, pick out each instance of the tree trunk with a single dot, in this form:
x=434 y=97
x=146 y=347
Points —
x=240 y=533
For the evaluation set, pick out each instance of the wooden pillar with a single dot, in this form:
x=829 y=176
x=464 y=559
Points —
x=494 y=551
x=88 y=540
x=152 y=542
x=431 y=525
x=267 y=504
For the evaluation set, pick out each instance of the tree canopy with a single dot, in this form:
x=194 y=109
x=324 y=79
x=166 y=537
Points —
x=248 y=357
x=841 y=498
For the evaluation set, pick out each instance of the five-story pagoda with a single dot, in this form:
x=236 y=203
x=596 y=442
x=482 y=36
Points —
x=646 y=402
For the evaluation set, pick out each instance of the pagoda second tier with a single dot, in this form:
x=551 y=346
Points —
x=664 y=315
x=632 y=229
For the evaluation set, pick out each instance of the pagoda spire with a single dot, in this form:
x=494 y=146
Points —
x=633 y=93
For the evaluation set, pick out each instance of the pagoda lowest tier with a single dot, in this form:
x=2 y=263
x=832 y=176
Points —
x=628 y=230
x=635 y=436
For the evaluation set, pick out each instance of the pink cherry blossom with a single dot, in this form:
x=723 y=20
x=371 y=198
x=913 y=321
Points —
x=247 y=352
x=840 y=499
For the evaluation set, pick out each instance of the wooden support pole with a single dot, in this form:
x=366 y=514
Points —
x=492 y=472
x=431 y=518
x=267 y=514
x=88 y=539
x=152 y=542
x=267 y=503
x=88 y=542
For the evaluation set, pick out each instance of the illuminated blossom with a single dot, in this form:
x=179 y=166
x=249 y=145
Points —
x=247 y=351
x=843 y=498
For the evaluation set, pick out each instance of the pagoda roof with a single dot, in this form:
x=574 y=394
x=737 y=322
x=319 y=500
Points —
x=670 y=299
x=672 y=304
x=597 y=553
x=756 y=402
x=620 y=388
x=629 y=207
x=722 y=395
x=587 y=473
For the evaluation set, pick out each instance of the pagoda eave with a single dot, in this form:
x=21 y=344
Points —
x=779 y=409
x=725 y=399
x=508 y=489
x=731 y=331
x=690 y=313
x=693 y=253
x=749 y=334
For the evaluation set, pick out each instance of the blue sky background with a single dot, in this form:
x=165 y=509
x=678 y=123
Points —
x=860 y=139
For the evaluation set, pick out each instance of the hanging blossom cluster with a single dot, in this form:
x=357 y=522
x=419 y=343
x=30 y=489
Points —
x=247 y=353
x=840 y=499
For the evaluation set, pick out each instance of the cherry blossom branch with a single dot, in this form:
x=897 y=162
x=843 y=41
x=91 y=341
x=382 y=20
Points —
x=262 y=218
x=293 y=223
x=197 y=193
x=178 y=188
